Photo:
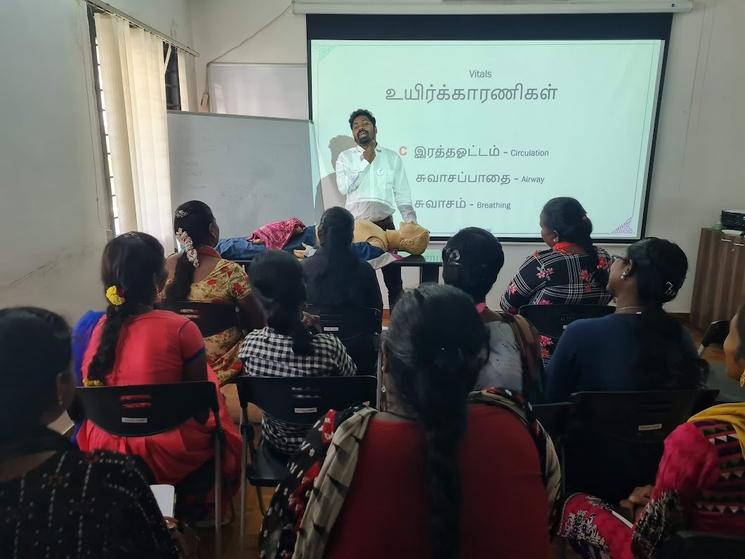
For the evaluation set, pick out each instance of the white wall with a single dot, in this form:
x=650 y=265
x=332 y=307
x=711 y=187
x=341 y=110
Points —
x=53 y=205
x=248 y=31
x=52 y=227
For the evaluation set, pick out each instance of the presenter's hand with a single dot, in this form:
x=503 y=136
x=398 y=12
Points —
x=369 y=153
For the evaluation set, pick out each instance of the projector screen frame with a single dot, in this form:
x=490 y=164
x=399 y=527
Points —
x=505 y=27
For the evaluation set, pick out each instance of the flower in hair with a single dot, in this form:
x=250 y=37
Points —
x=114 y=296
x=185 y=240
x=181 y=213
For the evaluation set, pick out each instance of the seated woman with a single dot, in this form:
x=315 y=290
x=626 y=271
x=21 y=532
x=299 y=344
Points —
x=199 y=274
x=286 y=347
x=699 y=482
x=439 y=473
x=339 y=283
x=58 y=501
x=572 y=271
x=134 y=344
x=471 y=261
x=640 y=346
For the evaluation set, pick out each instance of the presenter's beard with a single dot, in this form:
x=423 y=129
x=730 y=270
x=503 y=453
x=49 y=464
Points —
x=363 y=139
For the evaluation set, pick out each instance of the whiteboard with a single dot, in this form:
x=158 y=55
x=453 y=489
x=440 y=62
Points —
x=270 y=90
x=249 y=170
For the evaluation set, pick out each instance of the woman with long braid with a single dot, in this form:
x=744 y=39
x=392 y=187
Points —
x=440 y=471
x=199 y=274
x=135 y=344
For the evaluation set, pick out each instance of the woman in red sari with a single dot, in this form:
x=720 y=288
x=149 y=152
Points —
x=700 y=483
x=134 y=344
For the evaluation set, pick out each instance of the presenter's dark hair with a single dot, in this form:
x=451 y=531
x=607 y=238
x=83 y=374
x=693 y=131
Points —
x=195 y=218
x=434 y=349
x=277 y=279
x=27 y=390
x=665 y=359
x=569 y=219
x=133 y=263
x=361 y=112
x=471 y=261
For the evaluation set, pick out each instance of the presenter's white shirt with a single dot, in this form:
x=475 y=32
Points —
x=374 y=190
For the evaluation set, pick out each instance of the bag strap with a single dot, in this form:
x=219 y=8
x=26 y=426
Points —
x=530 y=356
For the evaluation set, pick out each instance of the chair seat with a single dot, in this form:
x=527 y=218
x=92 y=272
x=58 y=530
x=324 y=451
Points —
x=266 y=469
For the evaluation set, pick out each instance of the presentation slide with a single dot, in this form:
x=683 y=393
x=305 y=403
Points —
x=488 y=131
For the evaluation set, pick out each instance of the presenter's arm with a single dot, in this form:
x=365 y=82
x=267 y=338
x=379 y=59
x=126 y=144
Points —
x=349 y=173
x=402 y=192
x=522 y=287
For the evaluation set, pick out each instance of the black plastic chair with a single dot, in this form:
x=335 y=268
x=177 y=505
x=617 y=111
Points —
x=699 y=545
x=554 y=418
x=715 y=334
x=149 y=409
x=552 y=320
x=297 y=400
x=614 y=441
x=358 y=328
x=211 y=318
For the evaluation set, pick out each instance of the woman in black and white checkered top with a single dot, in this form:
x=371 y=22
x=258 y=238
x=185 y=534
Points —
x=287 y=347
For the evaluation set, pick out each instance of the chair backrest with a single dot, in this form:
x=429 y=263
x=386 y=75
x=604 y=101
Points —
x=696 y=545
x=347 y=322
x=302 y=400
x=553 y=417
x=211 y=318
x=147 y=409
x=615 y=439
x=552 y=320
x=358 y=329
x=644 y=417
x=715 y=333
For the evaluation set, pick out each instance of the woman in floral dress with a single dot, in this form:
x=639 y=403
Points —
x=199 y=274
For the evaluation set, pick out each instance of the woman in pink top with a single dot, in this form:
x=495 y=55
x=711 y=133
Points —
x=134 y=344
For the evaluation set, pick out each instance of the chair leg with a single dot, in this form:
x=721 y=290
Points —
x=218 y=496
x=244 y=459
x=260 y=498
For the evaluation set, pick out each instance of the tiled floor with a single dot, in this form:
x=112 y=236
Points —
x=231 y=545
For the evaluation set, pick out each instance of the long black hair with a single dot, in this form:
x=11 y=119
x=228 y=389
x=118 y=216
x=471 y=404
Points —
x=132 y=263
x=471 y=261
x=660 y=268
x=277 y=279
x=336 y=278
x=193 y=218
x=29 y=388
x=435 y=347
x=569 y=219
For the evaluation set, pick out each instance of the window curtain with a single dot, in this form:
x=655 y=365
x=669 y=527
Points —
x=133 y=83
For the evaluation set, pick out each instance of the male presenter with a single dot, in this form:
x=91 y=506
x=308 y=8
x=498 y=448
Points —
x=374 y=181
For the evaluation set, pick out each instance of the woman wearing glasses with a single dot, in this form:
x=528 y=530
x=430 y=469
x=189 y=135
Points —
x=640 y=346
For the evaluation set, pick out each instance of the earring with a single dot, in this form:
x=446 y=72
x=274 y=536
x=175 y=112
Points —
x=624 y=275
x=60 y=401
x=382 y=388
x=742 y=379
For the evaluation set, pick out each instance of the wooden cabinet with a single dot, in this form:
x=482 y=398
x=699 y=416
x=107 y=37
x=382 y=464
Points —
x=719 y=286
